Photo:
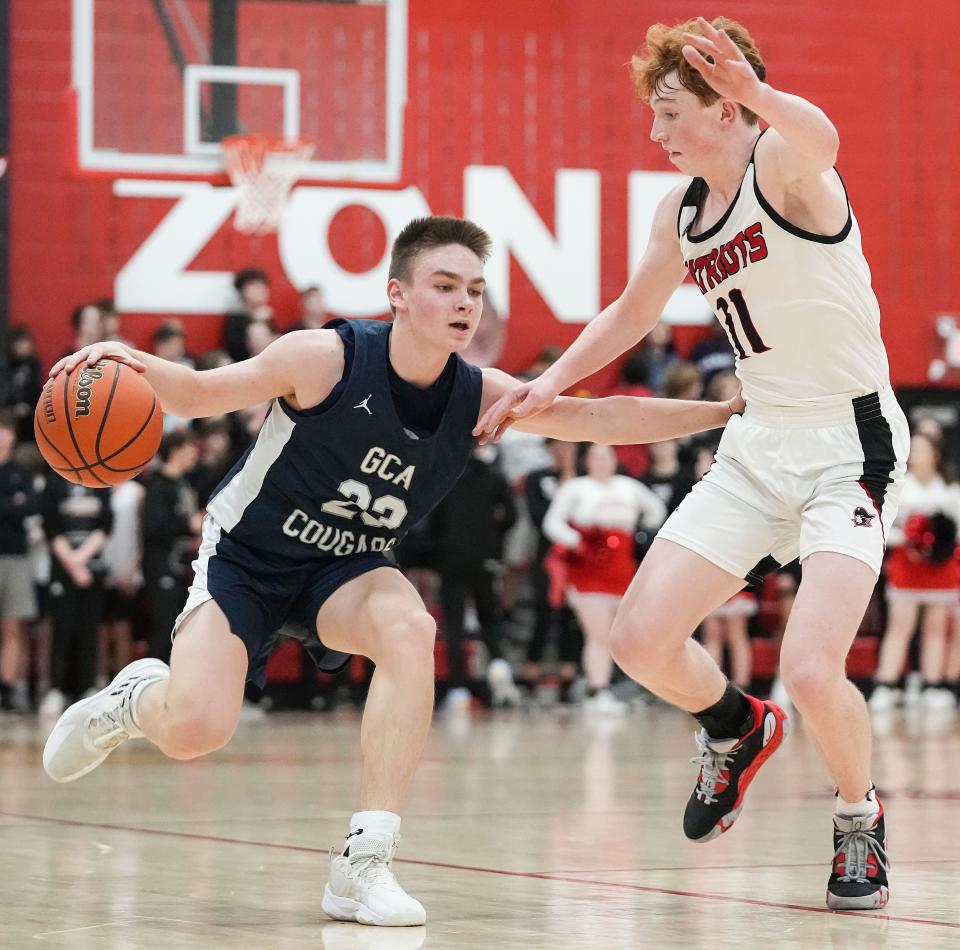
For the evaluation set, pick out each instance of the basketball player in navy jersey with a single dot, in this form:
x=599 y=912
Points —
x=369 y=428
x=812 y=469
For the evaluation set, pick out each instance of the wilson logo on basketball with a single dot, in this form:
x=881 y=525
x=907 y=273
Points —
x=85 y=388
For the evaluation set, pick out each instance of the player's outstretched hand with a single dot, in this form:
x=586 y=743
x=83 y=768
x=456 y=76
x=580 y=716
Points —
x=737 y=404
x=107 y=350
x=518 y=403
x=729 y=75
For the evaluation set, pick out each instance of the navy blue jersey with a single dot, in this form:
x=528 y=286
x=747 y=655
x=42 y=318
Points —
x=346 y=478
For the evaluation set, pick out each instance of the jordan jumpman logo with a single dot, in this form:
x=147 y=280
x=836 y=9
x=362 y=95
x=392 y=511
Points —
x=363 y=404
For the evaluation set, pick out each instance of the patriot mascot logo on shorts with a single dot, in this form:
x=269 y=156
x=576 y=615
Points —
x=862 y=518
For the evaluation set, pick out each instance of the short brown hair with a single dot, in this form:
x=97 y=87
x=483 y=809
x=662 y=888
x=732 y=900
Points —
x=168 y=330
x=664 y=55
x=423 y=234
x=679 y=377
x=173 y=441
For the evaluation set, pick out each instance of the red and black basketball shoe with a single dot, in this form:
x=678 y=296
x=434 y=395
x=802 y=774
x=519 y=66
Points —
x=727 y=767
x=859 y=876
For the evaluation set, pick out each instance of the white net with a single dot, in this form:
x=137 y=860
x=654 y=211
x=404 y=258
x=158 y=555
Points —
x=263 y=169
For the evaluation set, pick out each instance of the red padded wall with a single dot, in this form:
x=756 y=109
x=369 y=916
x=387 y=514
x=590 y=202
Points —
x=534 y=88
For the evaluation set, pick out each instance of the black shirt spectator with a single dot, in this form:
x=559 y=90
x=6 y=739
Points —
x=171 y=524
x=469 y=525
x=17 y=500
x=668 y=478
x=539 y=488
x=75 y=512
x=17 y=598
x=713 y=355
x=219 y=439
x=169 y=508
x=77 y=521
x=24 y=380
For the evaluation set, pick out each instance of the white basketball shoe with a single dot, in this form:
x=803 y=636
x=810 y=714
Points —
x=362 y=887
x=89 y=730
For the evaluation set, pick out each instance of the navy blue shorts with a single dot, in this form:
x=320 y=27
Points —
x=261 y=593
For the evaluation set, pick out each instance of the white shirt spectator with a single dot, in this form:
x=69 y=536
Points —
x=620 y=502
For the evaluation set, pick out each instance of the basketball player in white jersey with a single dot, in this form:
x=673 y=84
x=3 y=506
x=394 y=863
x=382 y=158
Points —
x=370 y=426
x=812 y=469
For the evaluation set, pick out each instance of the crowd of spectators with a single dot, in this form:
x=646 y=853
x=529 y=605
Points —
x=516 y=563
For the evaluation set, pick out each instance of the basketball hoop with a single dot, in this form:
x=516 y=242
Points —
x=263 y=169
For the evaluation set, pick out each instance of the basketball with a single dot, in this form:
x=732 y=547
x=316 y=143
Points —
x=98 y=425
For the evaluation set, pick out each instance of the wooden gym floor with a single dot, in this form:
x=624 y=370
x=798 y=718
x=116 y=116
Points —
x=524 y=830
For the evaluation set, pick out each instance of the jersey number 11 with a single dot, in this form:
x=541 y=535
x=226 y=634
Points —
x=753 y=337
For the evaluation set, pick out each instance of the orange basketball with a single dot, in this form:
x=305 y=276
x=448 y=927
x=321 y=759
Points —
x=100 y=425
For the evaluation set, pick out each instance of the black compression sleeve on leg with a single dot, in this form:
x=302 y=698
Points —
x=730 y=717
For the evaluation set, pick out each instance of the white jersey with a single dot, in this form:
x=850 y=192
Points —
x=798 y=307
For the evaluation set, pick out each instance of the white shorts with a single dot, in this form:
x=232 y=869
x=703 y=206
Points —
x=788 y=483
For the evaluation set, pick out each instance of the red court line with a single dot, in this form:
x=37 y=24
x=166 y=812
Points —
x=534 y=875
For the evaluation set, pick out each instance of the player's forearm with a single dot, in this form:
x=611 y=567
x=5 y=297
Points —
x=174 y=384
x=803 y=126
x=626 y=420
x=609 y=334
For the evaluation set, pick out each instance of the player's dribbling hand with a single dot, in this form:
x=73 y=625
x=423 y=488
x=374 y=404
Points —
x=107 y=350
x=729 y=75
x=518 y=403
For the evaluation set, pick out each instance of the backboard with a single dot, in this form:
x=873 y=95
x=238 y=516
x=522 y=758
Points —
x=159 y=83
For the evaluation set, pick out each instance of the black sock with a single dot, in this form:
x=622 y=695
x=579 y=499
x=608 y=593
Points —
x=730 y=717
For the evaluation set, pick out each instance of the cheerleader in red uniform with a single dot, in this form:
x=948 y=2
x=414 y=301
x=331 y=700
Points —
x=922 y=574
x=594 y=520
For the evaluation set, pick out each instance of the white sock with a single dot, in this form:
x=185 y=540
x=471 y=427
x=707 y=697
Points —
x=868 y=805
x=135 y=695
x=375 y=822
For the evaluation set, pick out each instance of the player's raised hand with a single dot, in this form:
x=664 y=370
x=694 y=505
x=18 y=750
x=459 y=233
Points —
x=729 y=75
x=107 y=350
x=518 y=403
